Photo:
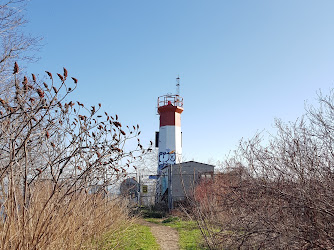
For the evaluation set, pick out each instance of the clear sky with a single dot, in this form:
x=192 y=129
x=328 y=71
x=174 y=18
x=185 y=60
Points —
x=241 y=63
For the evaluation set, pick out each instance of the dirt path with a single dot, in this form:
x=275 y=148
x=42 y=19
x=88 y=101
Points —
x=166 y=237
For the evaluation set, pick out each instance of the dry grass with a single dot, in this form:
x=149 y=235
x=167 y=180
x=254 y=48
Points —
x=52 y=152
x=54 y=221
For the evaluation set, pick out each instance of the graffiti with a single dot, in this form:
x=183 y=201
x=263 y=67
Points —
x=166 y=158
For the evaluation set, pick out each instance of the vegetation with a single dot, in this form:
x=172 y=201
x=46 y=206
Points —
x=58 y=158
x=133 y=236
x=277 y=193
x=152 y=212
x=16 y=45
x=58 y=161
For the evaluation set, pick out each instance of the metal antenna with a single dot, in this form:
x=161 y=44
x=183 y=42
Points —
x=178 y=86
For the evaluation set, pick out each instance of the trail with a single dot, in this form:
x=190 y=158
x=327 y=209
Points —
x=166 y=237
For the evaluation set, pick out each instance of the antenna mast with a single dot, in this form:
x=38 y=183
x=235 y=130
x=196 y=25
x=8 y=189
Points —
x=178 y=86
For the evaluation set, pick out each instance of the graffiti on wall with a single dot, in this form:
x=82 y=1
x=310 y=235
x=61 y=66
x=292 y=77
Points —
x=166 y=158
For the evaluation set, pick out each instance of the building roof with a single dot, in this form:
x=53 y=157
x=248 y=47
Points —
x=189 y=162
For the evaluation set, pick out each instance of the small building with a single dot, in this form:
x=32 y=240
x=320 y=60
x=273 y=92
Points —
x=178 y=181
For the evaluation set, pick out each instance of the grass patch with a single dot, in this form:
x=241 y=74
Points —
x=170 y=219
x=190 y=235
x=133 y=237
x=152 y=213
x=154 y=220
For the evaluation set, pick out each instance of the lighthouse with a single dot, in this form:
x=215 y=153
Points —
x=175 y=179
x=169 y=138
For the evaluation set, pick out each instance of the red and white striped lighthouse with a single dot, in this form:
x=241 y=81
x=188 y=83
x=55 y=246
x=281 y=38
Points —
x=170 y=108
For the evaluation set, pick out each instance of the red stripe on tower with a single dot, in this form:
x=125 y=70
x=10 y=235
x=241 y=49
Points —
x=170 y=115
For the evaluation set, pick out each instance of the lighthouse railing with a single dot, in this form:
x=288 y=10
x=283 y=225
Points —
x=174 y=100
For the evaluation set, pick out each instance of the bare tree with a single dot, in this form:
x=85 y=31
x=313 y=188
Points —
x=50 y=143
x=15 y=43
x=283 y=197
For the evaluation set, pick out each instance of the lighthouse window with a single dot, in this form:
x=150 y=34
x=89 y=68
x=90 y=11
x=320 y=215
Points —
x=156 y=139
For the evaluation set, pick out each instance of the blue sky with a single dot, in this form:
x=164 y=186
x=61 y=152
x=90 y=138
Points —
x=241 y=63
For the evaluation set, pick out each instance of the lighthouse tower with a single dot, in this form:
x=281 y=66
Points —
x=170 y=108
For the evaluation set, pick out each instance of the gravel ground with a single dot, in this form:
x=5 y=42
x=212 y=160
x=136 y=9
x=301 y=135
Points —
x=166 y=237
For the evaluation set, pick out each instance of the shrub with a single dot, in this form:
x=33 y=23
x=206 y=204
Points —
x=58 y=161
x=278 y=194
